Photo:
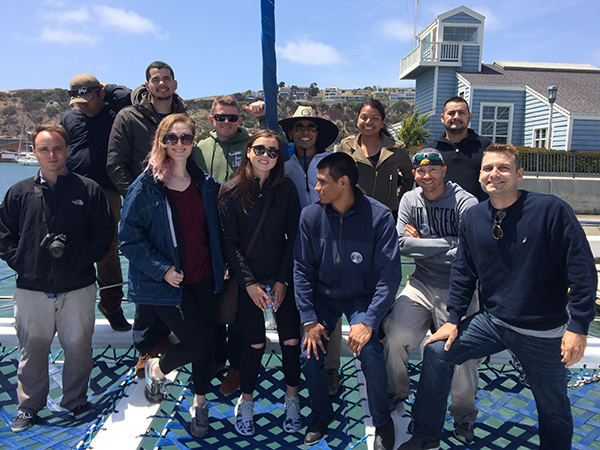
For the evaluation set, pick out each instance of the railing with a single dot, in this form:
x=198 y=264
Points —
x=432 y=52
x=571 y=164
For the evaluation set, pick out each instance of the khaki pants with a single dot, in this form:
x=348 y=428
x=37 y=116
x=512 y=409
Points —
x=38 y=318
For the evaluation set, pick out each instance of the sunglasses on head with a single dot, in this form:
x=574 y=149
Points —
x=431 y=156
x=498 y=218
x=259 y=150
x=171 y=139
x=309 y=128
x=83 y=90
x=224 y=117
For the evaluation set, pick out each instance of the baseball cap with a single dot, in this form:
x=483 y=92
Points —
x=82 y=88
x=427 y=157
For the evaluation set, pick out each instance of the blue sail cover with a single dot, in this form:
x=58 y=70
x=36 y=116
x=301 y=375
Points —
x=269 y=63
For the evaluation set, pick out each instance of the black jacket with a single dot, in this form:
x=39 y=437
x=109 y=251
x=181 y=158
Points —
x=131 y=138
x=77 y=208
x=88 y=136
x=463 y=161
x=271 y=258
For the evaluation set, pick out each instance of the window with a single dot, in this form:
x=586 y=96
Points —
x=496 y=122
x=460 y=34
x=540 y=137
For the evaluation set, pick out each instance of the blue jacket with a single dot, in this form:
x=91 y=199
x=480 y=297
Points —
x=347 y=256
x=148 y=237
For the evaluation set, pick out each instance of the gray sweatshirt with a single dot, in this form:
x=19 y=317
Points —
x=437 y=223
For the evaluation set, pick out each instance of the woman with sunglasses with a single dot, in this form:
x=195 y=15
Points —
x=379 y=157
x=260 y=186
x=169 y=232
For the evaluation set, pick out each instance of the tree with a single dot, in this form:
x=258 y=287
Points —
x=281 y=84
x=313 y=90
x=413 y=131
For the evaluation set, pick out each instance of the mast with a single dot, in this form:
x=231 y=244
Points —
x=269 y=63
x=415 y=24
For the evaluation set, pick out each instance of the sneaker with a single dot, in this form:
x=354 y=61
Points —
x=154 y=390
x=333 y=380
x=416 y=443
x=199 y=424
x=216 y=368
x=385 y=436
x=293 y=419
x=244 y=417
x=316 y=430
x=231 y=382
x=80 y=411
x=24 y=421
x=117 y=320
x=464 y=431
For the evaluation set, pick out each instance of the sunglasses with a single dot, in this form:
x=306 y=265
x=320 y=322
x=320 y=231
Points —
x=309 y=128
x=171 y=139
x=259 y=150
x=84 y=90
x=431 y=156
x=224 y=117
x=498 y=218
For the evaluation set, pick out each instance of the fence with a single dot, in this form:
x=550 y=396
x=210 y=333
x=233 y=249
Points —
x=573 y=164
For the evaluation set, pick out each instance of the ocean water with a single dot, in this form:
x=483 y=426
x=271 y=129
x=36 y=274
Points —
x=10 y=173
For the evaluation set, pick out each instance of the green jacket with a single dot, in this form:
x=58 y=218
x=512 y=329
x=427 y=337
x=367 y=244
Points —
x=221 y=159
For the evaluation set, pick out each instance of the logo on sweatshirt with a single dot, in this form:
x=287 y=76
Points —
x=356 y=257
x=78 y=202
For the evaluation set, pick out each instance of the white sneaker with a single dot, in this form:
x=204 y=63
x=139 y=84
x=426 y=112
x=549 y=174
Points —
x=244 y=417
x=293 y=419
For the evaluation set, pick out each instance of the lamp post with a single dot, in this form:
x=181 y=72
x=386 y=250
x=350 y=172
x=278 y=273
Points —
x=552 y=90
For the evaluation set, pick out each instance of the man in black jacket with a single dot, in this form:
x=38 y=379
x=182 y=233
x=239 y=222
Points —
x=88 y=128
x=53 y=227
x=129 y=143
x=461 y=147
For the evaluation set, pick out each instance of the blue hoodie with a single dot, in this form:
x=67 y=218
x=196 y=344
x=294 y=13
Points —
x=347 y=256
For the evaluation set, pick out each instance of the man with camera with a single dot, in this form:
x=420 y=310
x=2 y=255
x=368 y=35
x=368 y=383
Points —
x=53 y=227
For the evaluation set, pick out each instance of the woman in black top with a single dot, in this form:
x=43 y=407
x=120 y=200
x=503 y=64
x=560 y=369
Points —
x=259 y=183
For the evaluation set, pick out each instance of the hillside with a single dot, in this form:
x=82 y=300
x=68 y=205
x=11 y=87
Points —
x=49 y=105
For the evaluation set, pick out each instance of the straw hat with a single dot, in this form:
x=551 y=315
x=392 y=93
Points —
x=328 y=131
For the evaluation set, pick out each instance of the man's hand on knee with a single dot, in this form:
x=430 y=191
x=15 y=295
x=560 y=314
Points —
x=359 y=335
x=312 y=338
x=448 y=331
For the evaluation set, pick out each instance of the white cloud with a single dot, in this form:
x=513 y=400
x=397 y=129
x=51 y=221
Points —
x=127 y=21
x=397 y=30
x=68 y=37
x=310 y=53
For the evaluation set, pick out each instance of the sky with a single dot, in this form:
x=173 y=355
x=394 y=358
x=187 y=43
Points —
x=214 y=46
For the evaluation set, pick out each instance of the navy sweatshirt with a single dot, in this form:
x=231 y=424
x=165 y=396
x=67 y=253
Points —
x=525 y=276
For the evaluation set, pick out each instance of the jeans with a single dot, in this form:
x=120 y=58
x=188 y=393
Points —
x=371 y=357
x=478 y=337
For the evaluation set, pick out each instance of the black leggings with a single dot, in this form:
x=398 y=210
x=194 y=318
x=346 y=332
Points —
x=192 y=323
x=250 y=319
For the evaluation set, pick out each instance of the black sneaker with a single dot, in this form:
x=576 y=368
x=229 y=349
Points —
x=416 y=443
x=316 y=430
x=385 y=436
x=24 y=421
x=79 y=412
x=117 y=320
x=464 y=432
x=154 y=389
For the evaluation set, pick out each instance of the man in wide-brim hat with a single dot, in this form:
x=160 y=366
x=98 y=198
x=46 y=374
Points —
x=311 y=136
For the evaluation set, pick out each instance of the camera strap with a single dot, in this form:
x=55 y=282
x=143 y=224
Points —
x=46 y=217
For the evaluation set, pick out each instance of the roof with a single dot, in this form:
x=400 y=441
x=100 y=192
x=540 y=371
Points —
x=577 y=84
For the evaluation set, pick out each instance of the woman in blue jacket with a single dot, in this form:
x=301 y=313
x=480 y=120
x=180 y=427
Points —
x=169 y=231
x=260 y=185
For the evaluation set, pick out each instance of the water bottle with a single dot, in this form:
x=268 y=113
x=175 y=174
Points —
x=270 y=323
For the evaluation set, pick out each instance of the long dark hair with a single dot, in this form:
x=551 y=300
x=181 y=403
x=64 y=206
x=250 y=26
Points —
x=243 y=181
x=374 y=103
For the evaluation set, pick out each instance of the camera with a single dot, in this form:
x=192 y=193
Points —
x=55 y=243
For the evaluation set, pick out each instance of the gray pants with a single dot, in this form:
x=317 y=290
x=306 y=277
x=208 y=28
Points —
x=38 y=318
x=405 y=328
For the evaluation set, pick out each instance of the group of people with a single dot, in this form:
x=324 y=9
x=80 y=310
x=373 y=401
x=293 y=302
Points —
x=316 y=235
